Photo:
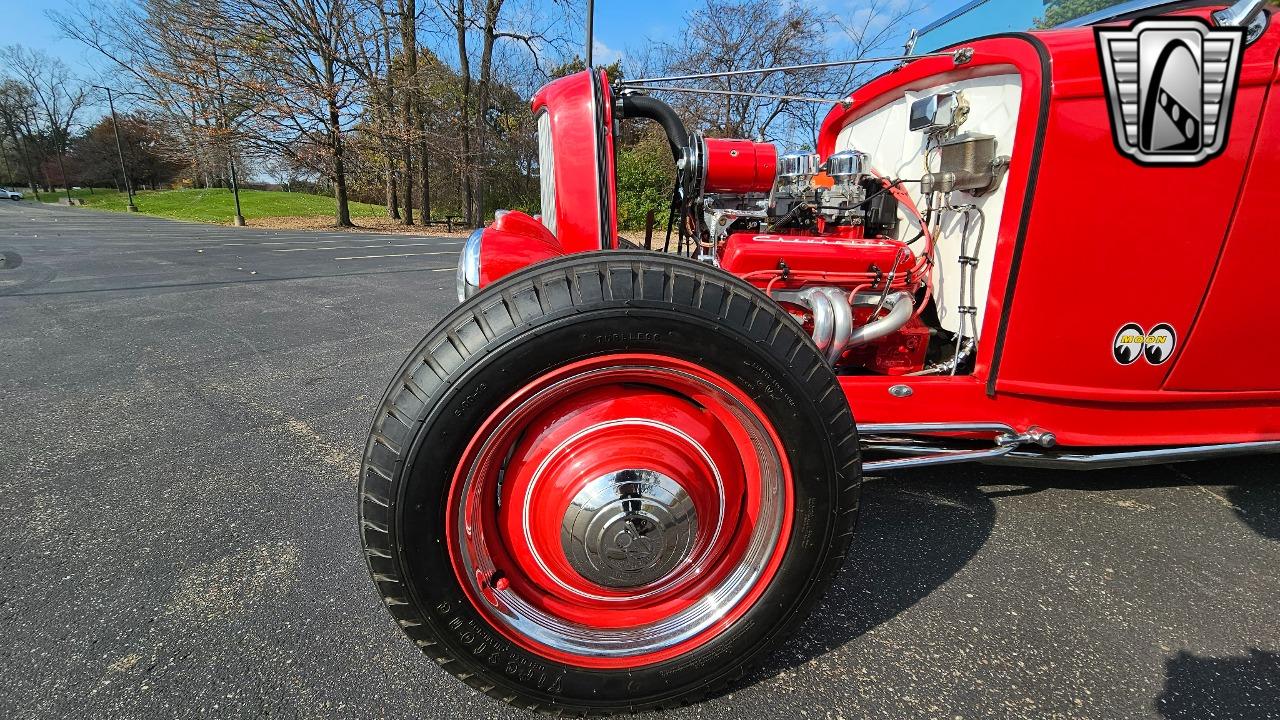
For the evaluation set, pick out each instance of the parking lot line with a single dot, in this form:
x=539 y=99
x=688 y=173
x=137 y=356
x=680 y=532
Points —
x=355 y=247
x=330 y=241
x=369 y=257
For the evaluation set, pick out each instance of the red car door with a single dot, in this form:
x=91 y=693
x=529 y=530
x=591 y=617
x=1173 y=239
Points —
x=1233 y=342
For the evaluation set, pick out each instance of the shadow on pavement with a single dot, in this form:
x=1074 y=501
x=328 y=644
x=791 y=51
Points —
x=919 y=528
x=914 y=533
x=1251 y=485
x=1256 y=497
x=1232 y=688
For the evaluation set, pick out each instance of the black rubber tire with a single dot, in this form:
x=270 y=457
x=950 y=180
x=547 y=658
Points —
x=544 y=317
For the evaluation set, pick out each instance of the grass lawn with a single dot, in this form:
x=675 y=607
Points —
x=217 y=205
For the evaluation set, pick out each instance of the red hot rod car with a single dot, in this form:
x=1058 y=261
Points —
x=611 y=479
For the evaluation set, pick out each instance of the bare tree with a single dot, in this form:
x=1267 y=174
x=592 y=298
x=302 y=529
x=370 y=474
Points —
x=59 y=96
x=179 y=58
x=535 y=32
x=15 y=107
x=304 y=92
x=723 y=35
x=873 y=28
x=371 y=56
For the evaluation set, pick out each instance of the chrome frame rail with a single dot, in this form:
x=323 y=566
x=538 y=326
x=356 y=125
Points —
x=919 y=446
x=1006 y=440
x=1077 y=460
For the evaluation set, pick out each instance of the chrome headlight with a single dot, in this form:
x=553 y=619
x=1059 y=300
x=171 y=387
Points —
x=469 y=266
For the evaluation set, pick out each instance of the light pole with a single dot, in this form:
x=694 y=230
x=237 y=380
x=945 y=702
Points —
x=115 y=127
x=235 y=189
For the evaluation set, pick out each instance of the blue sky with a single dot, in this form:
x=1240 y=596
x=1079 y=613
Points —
x=24 y=22
x=619 y=24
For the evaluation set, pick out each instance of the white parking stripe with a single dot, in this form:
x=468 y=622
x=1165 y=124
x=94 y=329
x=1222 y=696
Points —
x=330 y=241
x=355 y=247
x=367 y=257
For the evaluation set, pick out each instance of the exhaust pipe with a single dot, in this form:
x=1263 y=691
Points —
x=833 y=330
x=900 y=307
x=841 y=322
x=819 y=303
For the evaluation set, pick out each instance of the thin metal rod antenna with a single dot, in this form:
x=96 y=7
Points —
x=788 y=68
x=591 y=17
x=707 y=91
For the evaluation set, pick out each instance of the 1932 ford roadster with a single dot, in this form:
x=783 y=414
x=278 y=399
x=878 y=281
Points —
x=612 y=479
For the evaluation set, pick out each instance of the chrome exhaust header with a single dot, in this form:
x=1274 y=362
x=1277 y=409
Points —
x=832 y=309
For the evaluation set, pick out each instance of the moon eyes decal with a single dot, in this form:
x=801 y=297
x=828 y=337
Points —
x=1159 y=344
x=1132 y=342
x=1127 y=347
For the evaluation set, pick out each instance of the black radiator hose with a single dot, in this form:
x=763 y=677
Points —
x=643 y=106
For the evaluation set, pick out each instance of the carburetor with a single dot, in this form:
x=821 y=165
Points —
x=843 y=201
x=838 y=196
x=793 y=185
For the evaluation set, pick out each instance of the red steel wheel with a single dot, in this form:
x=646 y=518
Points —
x=620 y=510
x=608 y=483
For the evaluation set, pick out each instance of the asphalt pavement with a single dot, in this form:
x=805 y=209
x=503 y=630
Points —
x=182 y=409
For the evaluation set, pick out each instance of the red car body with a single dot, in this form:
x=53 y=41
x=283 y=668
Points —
x=614 y=479
x=1089 y=241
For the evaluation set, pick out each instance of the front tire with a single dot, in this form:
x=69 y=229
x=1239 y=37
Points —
x=610 y=482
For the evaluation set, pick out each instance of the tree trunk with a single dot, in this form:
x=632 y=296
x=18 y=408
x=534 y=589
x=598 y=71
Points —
x=424 y=166
x=343 y=214
x=62 y=170
x=493 y=8
x=393 y=206
x=8 y=172
x=464 y=73
x=26 y=161
x=389 y=113
x=406 y=160
x=409 y=93
x=343 y=211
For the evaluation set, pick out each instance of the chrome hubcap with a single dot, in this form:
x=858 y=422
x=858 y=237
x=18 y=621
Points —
x=629 y=528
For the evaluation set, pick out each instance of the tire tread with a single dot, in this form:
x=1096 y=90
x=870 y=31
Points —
x=568 y=286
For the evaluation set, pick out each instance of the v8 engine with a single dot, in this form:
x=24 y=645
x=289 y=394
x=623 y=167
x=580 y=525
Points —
x=824 y=238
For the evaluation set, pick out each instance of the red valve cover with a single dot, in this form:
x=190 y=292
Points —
x=748 y=253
